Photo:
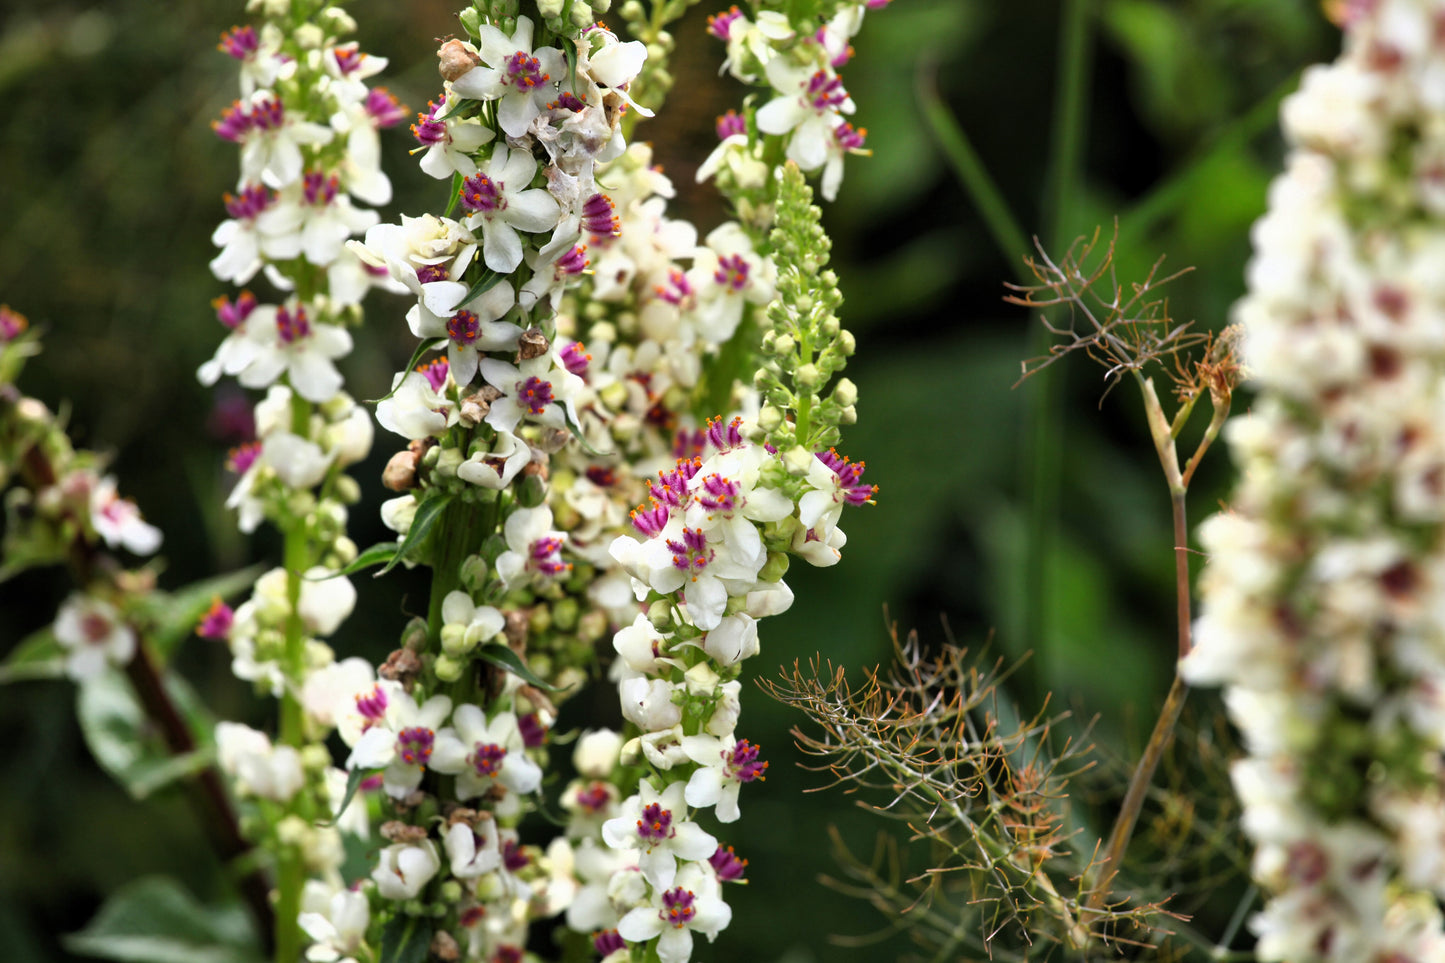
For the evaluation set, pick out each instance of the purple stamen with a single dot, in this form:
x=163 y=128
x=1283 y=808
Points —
x=372 y=705
x=600 y=219
x=480 y=193
x=731 y=124
x=568 y=101
x=825 y=91
x=239 y=42
x=850 y=475
x=414 y=745
x=536 y=394
x=546 y=556
x=252 y=201
x=216 y=624
x=720 y=24
x=233 y=315
x=725 y=437
x=677 y=908
x=607 y=942
x=291 y=328
x=594 y=798
x=601 y=476
x=464 y=329
x=732 y=272
x=850 y=138
x=524 y=71
x=428 y=130
x=385 y=109
x=268 y=114
x=691 y=554
x=678 y=290
x=513 y=857
x=318 y=188
x=718 y=494
x=487 y=759
x=532 y=730
x=573 y=263
x=742 y=762
x=428 y=273
x=655 y=824
x=349 y=58
x=727 y=865
x=242 y=457
x=12 y=323
x=652 y=520
x=235 y=123
x=435 y=373
x=688 y=444
x=576 y=359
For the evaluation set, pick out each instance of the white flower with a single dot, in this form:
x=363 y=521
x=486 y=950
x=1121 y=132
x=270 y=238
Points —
x=397 y=513
x=258 y=228
x=807 y=107
x=674 y=913
x=271 y=147
x=638 y=646
x=465 y=625
x=502 y=203
x=726 y=276
x=258 y=768
x=482 y=753
x=533 y=388
x=533 y=548
x=415 y=408
x=286 y=340
x=526 y=81
x=449 y=142
x=473 y=850
x=595 y=755
x=94 y=636
x=495 y=469
x=404 y=869
x=469 y=329
x=726 y=765
x=400 y=739
x=326 y=600
x=118 y=521
x=335 y=921
x=649 y=703
x=734 y=639
x=656 y=824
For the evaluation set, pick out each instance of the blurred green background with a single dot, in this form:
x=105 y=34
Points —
x=110 y=184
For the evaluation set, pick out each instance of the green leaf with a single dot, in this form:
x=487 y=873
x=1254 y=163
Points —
x=426 y=516
x=485 y=283
x=456 y=193
x=353 y=782
x=39 y=656
x=177 y=613
x=154 y=920
x=406 y=939
x=576 y=430
x=503 y=657
x=125 y=743
x=426 y=345
x=377 y=554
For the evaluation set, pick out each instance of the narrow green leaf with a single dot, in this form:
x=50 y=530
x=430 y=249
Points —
x=426 y=345
x=576 y=430
x=155 y=920
x=177 y=613
x=456 y=194
x=503 y=657
x=353 y=782
x=426 y=516
x=485 y=283
x=406 y=939
x=39 y=656
x=377 y=554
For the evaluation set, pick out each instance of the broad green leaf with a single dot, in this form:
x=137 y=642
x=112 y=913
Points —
x=154 y=920
x=378 y=554
x=427 y=513
x=39 y=656
x=503 y=657
x=406 y=939
x=426 y=345
x=177 y=613
x=125 y=743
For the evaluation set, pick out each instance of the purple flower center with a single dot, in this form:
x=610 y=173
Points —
x=848 y=137
x=576 y=359
x=252 y=201
x=216 y=624
x=601 y=476
x=290 y=327
x=688 y=444
x=599 y=218
x=243 y=457
x=691 y=554
x=95 y=627
x=428 y=130
x=524 y=71
x=547 y=556
x=720 y=24
x=650 y=520
x=12 y=323
x=655 y=824
x=233 y=315
x=727 y=865
x=385 y=109
x=239 y=42
x=480 y=193
x=594 y=798
x=372 y=705
x=677 y=908
x=732 y=272
x=535 y=394
x=318 y=188
x=850 y=475
x=725 y=437
x=514 y=857
x=825 y=91
x=435 y=373
x=717 y=494
x=742 y=762
x=678 y=290
x=268 y=114
x=464 y=329
x=487 y=759
x=428 y=273
x=532 y=730
x=607 y=942
x=730 y=124
x=573 y=263
x=568 y=101
x=507 y=954
x=414 y=745
x=349 y=58
x=235 y=123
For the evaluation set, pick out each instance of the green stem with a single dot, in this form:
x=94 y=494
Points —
x=1071 y=97
x=1008 y=236
x=460 y=531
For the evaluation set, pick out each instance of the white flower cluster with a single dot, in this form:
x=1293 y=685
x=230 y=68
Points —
x=1321 y=597
x=808 y=104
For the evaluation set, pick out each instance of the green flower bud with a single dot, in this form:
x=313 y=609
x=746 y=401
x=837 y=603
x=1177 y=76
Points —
x=785 y=344
x=540 y=620
x=454 y=640
x=346 y=490
x=471 y=21
x=775 y=567
x=414 y=636
x=660 y=615
x=447 y=669
x=550 y=9
x=847 y=344
x=798 y=460
x=532 y=491
x=848 y=416
x=808 y=376
x=770 y=418
x=450 y=892
x=564 y=614
x=582 y=15
x=474 y=573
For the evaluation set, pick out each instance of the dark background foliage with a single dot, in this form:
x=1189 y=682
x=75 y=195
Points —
x=110 y=184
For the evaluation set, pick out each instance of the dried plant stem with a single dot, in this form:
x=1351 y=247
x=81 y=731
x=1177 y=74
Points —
x=206 y=791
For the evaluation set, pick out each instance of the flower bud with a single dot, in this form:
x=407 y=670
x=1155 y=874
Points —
x=660 y=615
x=346 y=490
x=845 y=393
x=531 y=490
x=785 y=344
x=414 y=636
x=564 y=614
x=471 y=20
x=447 y=669
x=632 y=11
x=798 y=460
x=582 y=15
x=338 y=21
x=309 y=36
x=847 y=344
x=775 y=567
x=455 y=59
x=808 y=376
x=474 y=573
x=770 y=419
x=848 y=416
x=454 y=640
x=448 y=462
x=345 y=551
x=550 y=9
